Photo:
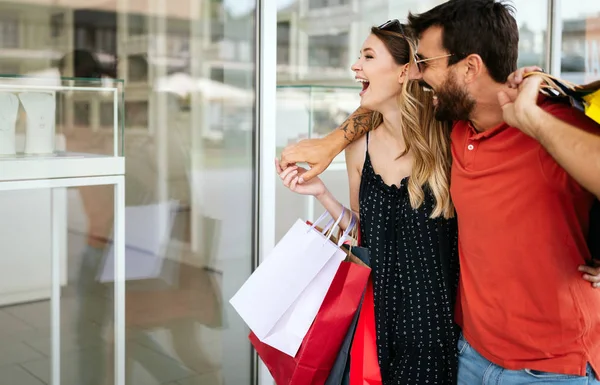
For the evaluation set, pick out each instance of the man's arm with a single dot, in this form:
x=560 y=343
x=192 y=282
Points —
x=574 y=149
x=319 y=153
x=357 y=124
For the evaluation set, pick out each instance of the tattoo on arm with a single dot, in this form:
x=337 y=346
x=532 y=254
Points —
x=358 y=124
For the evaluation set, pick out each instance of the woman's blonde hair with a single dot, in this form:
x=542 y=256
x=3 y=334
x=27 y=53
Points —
x=427 y=138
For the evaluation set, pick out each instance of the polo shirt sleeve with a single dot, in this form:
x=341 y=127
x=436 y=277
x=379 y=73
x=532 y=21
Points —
x=554 y=173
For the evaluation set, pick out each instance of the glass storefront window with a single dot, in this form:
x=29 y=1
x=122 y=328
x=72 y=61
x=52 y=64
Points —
x=327 y=51
x=532 y=19
x=9 y=32
x=580 y=60
x=316 y=4
x=189 y=113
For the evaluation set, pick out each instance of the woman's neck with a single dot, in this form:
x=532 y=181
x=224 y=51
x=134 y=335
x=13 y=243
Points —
x=392 y=125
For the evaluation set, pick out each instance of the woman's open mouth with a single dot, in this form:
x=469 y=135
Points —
x=365 y=84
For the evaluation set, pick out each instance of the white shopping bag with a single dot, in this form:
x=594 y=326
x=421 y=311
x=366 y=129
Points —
x=147 y=231
x=281 y=298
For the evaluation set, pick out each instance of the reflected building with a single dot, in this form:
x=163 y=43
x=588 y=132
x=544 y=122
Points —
x=581 y=49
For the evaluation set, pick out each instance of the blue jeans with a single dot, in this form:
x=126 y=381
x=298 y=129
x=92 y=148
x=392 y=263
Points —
x=474 y=369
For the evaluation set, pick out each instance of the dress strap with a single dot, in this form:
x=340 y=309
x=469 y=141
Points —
x=366 y=164
x=366 y=149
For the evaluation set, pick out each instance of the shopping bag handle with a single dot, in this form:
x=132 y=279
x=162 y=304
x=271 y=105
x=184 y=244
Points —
x=328 y=230
x=554 y=85
x=327 y=227
x=348 y=229
x=337 y=222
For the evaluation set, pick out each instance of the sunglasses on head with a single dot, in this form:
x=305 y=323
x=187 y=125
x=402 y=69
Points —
x=395 y=25
x=392 y=25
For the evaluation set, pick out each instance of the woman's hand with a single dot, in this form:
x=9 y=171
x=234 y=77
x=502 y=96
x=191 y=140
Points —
x=317 y=153
x=292 y=174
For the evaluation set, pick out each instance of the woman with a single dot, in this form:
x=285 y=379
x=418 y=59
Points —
x=399 y=187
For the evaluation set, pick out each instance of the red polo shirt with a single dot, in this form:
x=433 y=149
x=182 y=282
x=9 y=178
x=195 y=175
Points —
x=522 y=224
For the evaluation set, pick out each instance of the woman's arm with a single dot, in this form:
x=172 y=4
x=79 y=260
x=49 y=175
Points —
x=319 y=153
x=335 y=208
x=354 y=158
x=316 y=187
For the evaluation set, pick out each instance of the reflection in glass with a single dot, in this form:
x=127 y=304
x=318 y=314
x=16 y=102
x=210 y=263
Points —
x=533 y=22
x=580 y=61
x=188 y=68
x=9 y=31
x=25 y=320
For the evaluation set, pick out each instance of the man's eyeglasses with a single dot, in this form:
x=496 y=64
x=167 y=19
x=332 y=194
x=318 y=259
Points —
x=395 y=25
x=422 y=67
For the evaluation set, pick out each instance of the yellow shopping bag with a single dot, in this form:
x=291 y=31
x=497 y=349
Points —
x=592 y=106
x=583 y=97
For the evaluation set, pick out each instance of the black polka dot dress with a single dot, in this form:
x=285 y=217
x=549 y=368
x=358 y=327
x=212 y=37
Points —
x=415 y=277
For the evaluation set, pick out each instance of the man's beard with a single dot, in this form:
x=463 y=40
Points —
x=453 y=102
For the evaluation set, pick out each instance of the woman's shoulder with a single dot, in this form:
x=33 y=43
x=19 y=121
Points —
x=355 y=152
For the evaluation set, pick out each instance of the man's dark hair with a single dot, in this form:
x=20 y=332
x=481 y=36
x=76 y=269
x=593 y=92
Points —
x=484 y=27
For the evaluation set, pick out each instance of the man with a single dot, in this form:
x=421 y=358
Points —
x=523 y=181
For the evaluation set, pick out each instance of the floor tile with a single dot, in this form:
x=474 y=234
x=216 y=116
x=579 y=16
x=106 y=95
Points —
x=213 y=378
x=198 y=349
x=15 y=375
x=69 y=341
x=139 y=376
x=162 y=368
x=16 y=353
x=37 y=314
x=10 y=324
x=22 y=336
x=70 y=364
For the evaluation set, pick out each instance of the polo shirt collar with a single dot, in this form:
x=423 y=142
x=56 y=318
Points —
x=476 y=135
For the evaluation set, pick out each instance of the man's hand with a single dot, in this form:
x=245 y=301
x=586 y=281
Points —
x=317 y=153
x=520 y=109
x=514 y=79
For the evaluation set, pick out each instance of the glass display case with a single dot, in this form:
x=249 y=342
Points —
x=55 y=134
x=52 y=127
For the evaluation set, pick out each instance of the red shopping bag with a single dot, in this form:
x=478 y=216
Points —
x=320 y=347
x=364 y=364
